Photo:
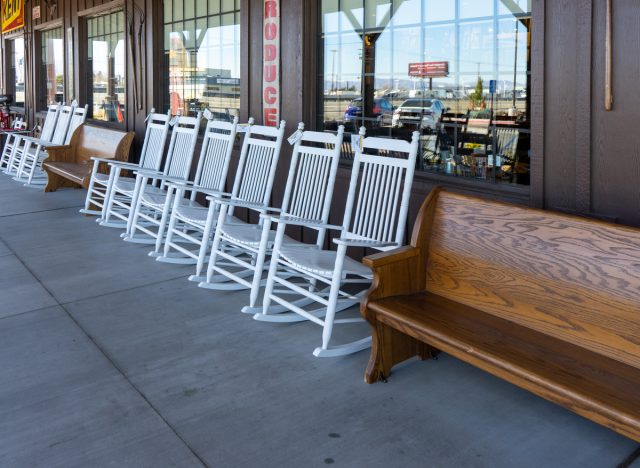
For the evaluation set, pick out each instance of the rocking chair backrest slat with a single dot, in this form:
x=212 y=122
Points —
x=78 y=116
x=182 y=146
x=49 y=124
x=258 y=160
x=383 y=191
x=64 y=119
x=215 y=155
x=312 y=175
x=155 y=138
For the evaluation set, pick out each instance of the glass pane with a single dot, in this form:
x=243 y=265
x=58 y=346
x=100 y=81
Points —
x=457 y=71
x=17 y=65
x=52 y=68
x=439 y=10
x=106 y=71
x=203 y=58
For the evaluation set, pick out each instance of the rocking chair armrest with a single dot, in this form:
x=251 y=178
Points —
x=123 y=164
x=183 y=184
x=158 y=176
x=212 y=194
x=363 y=243
x=101 y=160
x=245 y=204
x=311 y=223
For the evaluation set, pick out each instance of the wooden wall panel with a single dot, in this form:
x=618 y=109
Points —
x=615 y=137
x=561 y=46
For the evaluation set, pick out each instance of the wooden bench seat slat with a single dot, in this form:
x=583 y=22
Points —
x=586 y=381
x=548 y=271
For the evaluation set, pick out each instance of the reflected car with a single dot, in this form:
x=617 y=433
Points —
x=423 y=114
x=382 y=110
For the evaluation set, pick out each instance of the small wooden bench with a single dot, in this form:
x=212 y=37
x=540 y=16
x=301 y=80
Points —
x=71 y=165
x=546 y=301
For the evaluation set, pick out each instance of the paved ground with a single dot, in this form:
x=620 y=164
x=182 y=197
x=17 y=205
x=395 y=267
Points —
x=111 y=359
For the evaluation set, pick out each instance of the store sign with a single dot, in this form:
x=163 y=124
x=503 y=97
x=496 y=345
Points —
x=429 y=69
x=35 y=12
x=271 y=63
x=12 y=15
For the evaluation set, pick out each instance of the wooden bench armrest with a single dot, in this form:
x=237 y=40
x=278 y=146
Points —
x=400 y=254
x=62 y=153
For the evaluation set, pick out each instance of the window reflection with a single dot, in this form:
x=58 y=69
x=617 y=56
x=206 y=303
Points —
x=52 y=68
x=396 y=66
x=106 y=67
x=17 y=70
x=202 y=52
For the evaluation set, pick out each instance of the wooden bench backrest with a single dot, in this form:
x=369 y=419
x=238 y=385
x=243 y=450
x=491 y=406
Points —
x=573 y=278
x=88 y=141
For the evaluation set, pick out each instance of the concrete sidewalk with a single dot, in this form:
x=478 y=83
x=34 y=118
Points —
x=109 y=358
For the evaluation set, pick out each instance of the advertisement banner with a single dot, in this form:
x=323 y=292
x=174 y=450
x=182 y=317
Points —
x=429 y=69
x=12 y=15
x=271 y=64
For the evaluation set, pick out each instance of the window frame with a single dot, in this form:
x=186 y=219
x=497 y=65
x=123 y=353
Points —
x=39 y=105
x=240 y=14
x=532 y=194
x=82 y=60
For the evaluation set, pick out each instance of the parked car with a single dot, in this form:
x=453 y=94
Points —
x=419 y=113
x=382 y=110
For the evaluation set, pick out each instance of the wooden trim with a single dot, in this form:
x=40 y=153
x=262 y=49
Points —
x=58 y=23
x=105 y=7
x=583 y=106
x=608 y=45
x=245 y=52
x=537 y=103
x=310 y=56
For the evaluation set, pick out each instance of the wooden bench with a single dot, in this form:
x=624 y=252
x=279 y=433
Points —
x=546 y=301
x=71 y=165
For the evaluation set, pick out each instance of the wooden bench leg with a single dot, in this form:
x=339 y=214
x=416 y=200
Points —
x=390 y=347
x=53 y=182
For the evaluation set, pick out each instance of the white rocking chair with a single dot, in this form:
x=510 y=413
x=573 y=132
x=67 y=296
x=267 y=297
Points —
x=35 y=150
x=18 y=130
x=252 y=185
x=375 y=217
x=46 y=134
x=150 y=158
x=153 y=197
x=307 y=200
x=211 y=175
x=116 y=196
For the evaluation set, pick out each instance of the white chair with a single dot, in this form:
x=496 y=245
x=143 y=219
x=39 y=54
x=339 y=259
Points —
x=211 y=175
x=150 y=158
x=35 y=150
x=307 y=200
x=153 y=197
x=252 y=185
x=46 y=134
x=375 y=217
x=119 y=190
x=19 y=129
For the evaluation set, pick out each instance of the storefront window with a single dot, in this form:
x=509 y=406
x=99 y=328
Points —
x=458 y=71
x=16 y=75
x=106 y=67
x=202 y=56
x=52 y=68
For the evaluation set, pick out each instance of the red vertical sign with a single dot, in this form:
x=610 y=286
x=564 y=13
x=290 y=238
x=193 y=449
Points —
x=271 y=63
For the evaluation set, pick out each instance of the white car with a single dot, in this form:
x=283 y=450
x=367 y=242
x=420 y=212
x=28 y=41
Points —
x=423 y=114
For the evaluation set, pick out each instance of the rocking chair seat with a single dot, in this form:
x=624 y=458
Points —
x=322 y=262
x=193 y=213
x=102 y=178
x=250 y=234
x=126 y=185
